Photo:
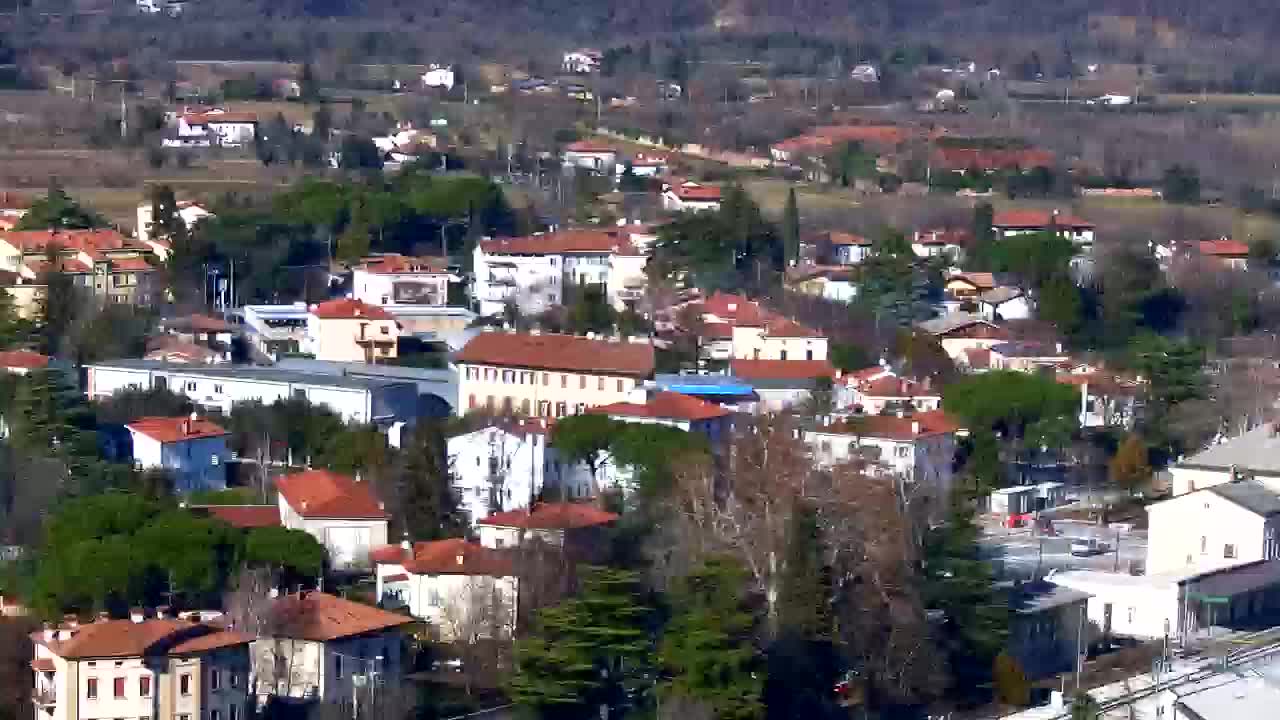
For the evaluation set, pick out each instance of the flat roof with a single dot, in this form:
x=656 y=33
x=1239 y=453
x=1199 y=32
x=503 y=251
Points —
x=1247 y=697
x=255 y=373
x=1233 y=581
x=724 y=385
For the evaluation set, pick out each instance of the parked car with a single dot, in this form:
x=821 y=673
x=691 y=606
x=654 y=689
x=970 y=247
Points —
x=1084 y=547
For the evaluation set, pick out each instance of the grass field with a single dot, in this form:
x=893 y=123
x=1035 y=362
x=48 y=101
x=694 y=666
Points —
x=1218 y=99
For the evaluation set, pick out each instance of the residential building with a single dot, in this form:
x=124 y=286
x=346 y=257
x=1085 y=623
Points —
x=339 y=511
x=509 y=465
x=172 y=349
x=22 y=362
x=919 y=448
x=163 y=668
x=1225 y=253
x=13 y=207
x=218 y=127
x=961 y=160
x=1105 y=400
x=878 y=389
x=357 y=399
x=865 y=73
x=690 y=196
x=646 y=165
x=649 y=406
x=821 y=141
x=439 y=76
x=465 y=590
x=531 y=272
x=780 y=384
x=591 y=155
x=1027 y=356
x=835 y=283
x=191 y=449
x=1043 y=627
x=189 y=212
x=116 y=269
x=575 y=526
x=734 y=327
x=947 y=243
x=1011 y=223
x=968 y=287
x=276 y=329
x=548 y=375
x=321 y=648
x=960 y=332
x=582 y=61
x=841 y=248
x=400 y=280
x=349 y=330
x=1005 y=303
x=1253 y=454
x=1231 y=522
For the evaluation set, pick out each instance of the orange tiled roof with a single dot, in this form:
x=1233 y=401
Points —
x=552 y=516
x=125 y=638
x=673 y=405
x=1034 y=219
x=176 y=429
x=895 y=387
x=844 y=238
x=220 y=117
x=131 y=264
x=781 y=369
x=404 y=264
x=987 y=160
x=1224 y=247
x=325 y=494
x=980 y=280
x=320 y=617
x=25 y=359
x=38 y=241
x=555 y=243
x=349 y=309
x=559 y=352
x=892 y=427
x=457 y=556
x=212 y=641
x=589 y=146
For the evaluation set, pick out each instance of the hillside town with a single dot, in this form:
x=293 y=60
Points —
x=754 y=376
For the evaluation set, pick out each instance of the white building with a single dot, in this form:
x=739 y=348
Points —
x=960 y=332
x=192 y=449
x=591 y=155
x=1011 y=223
x=648 y=406
x=582 y=61
x=356 y=399
x=219 y=127
x=1254 y=454
x=163 y=668
x=734 y=327
x=554 y=523
x=349 y=330
x=941 y=242
x=189 y=212
x=465 y=590
x=320 y=648
x=1004 y=303
x=399 y=280
x=339 y=511
x=1230 y=522
x=439 y=76
x=548 y=375
x=506 y=466
x=919 y=448
x=842 y=248
x=1105 y=400
x=691 y=197
x=274 y=329
x=870 y=391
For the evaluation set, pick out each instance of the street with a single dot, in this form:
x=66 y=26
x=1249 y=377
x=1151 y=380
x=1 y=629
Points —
x=1017 y=554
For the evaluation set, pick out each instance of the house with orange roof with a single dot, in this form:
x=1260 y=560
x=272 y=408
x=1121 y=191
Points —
x=21 y=362
x=340 y=511
x=559 y=524
x=780 y=384
x=918 y=447
x=648 y=406
x=878 y=389
x=591 y=155
x=348 y=330
x=1011 y=223
x=837 y=247
x=193 y=450
x=158 y=667
x=736 y=327
x=320 y=648
x=393 y=279
x=113 y=267
x=464 y=590
x=689 y=196
x=218 y=127
x=948 y=243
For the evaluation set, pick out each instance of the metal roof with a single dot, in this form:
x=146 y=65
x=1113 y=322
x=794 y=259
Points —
x=1250 y=495
x=1257 y=450
x=255 y=373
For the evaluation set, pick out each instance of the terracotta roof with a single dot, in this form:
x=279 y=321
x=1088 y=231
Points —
x=43 y=664
x=552 y=516
x=457 y=556
x=61 y=264
x=320 y=617
x=220 y=117
x=397 y=577
x=349 y=309
x=15 y=201
x=822 y=138
x=892 y=386
x=212 y=641
x=131 y=264
x=25 y=359
x=559 y=352
x=1224 y=247
x=1033 y=219
x=868 y=373
x=944 y=236
x=717 y=330
x=324 y=494
x=171 y=348
x=980 y=280
x=846 y=239
x=125 y=638
x=176 y=429
x=781 y=369
x=673 y=405
x=243 y=516
x=393 y=554
x=200 y=323
x=778 y=326
x=697 y=193
x=404 y=264
x=954 y=158
x=589 y=146
x=892 y=427
x=734 y=309
x=556 y=243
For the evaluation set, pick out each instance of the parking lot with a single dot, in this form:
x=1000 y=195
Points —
x=1020 y=554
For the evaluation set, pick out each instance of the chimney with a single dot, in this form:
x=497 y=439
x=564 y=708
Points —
x=915 y=427
x=405 y=544
x=186 y=427
x=460 y=559
x=304 y=504
x=358 y=476
x=48 y=632
x=137 y=615
x=902 y=412
x=162 y=612
x=103 y=616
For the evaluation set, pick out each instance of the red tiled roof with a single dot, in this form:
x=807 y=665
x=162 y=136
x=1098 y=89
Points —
x=212 y=641
x=895 y=387
x=176 y=429
x=953 y=158
x=131 y=264
x=25 y=359
x=43 y=664
x=857 y=376
x=125 y=638
x=673 y=405
x=717 y=330
x=174 y=349
x=320 y=617
x=822 y=138
x=555 y=243
x=697 y=193
x=457 y=556
x=778 y=326
x=398 y=577
x=1224 y=247
x=404 y=264
x=201 y=323
x=781 y=369
x=559 y=352
x=944 y=236
x=589 y=146
x=980 y=330
x=37 y=241
x=387 y=554
x=980 y=280
x=734 y=309
x=892 y=427
x=61 y=264
x=847 y=239
x=243 y=516
x=220 y=117
x=552 y=516
x=324 y=494
x=349 y=309
x=1031 y=219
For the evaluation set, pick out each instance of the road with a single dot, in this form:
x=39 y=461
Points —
x=1018 y=553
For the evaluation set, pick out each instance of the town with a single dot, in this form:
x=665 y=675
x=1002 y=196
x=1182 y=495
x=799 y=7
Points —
x=741 y=374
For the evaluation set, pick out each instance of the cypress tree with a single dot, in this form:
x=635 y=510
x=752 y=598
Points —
x=791 y=229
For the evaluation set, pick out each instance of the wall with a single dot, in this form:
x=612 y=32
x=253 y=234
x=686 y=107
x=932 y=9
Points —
x=191 y=461
x=1139 y=606
x=457 y=606
x=1193 y=530
x=392 y=288
x=347 y=540
x=535 y=282
x=351 y=340
x=537 y=392
x=1185 y=479
x=750 y=343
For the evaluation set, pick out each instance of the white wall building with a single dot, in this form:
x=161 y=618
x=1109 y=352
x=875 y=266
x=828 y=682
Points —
x=1254 y=454
x=219 y=127
x=193 y=449
x=734 y=327
x=464 y=590
x=190 y=213
x=691 y=197
x=582 y=61
x=439 y=76
x=1012 y=223
x=400 y=280
x=591 y=155
x=357 y=399
x=1230 y=522
x=553 y=523
x=920 y=448
x=340 y=512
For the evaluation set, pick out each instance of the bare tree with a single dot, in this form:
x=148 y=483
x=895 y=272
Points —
x=477 y=621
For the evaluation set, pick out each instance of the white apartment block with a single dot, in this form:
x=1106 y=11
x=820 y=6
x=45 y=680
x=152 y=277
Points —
x=465 y=591
x=920 y=449
x=1227 y=523
x=734 y=327
x=388 y=280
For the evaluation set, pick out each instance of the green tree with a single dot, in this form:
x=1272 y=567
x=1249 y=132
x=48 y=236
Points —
x=425 y=507
x=653 y=452
x=1181 y=185
x=1060 y=303
x=589 y=309
x=984 y=235
x=707 y=649
x=1084 y=707
x=308 y=87
x=1175 y=375
x=166 y=224
x=586 y=438
x=585 y=657
x=279 y=548
x=359 y=153
x=58 y=211
x=1129 y=468
x=193 y=554
x=791 y=229
x=849 y=357
x=1009 y=401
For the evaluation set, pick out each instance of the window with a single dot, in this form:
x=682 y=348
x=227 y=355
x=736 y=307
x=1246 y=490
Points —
x=546 y=379
x=1132 y=611
x=619 y=386
x=1228 y=551
x=191 y=386
x=183 y=716
x=91 y=688
x=184 y=684
x=524 y=406
x=234 y=711
x=782 y=354
x=564 y=381
x=808 y=354
x=1204 y=544
x=579 y=408
x=215 y=715
x=471 y=401
x=215 y=679
x=144 y=687
x=117 y=687
x=337 y=666
x=561 y=409
x=582 y=382
x=217 y=389
x=601 y=384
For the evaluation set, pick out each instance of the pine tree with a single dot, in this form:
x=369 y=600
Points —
x=586 y=656
x=427 y=508
x=166 y=224
x=791 y=229
x=707 y=648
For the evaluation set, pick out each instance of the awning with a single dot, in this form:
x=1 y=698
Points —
x=1219 y=586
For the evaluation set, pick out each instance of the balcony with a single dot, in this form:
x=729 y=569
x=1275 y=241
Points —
x=44 y=697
